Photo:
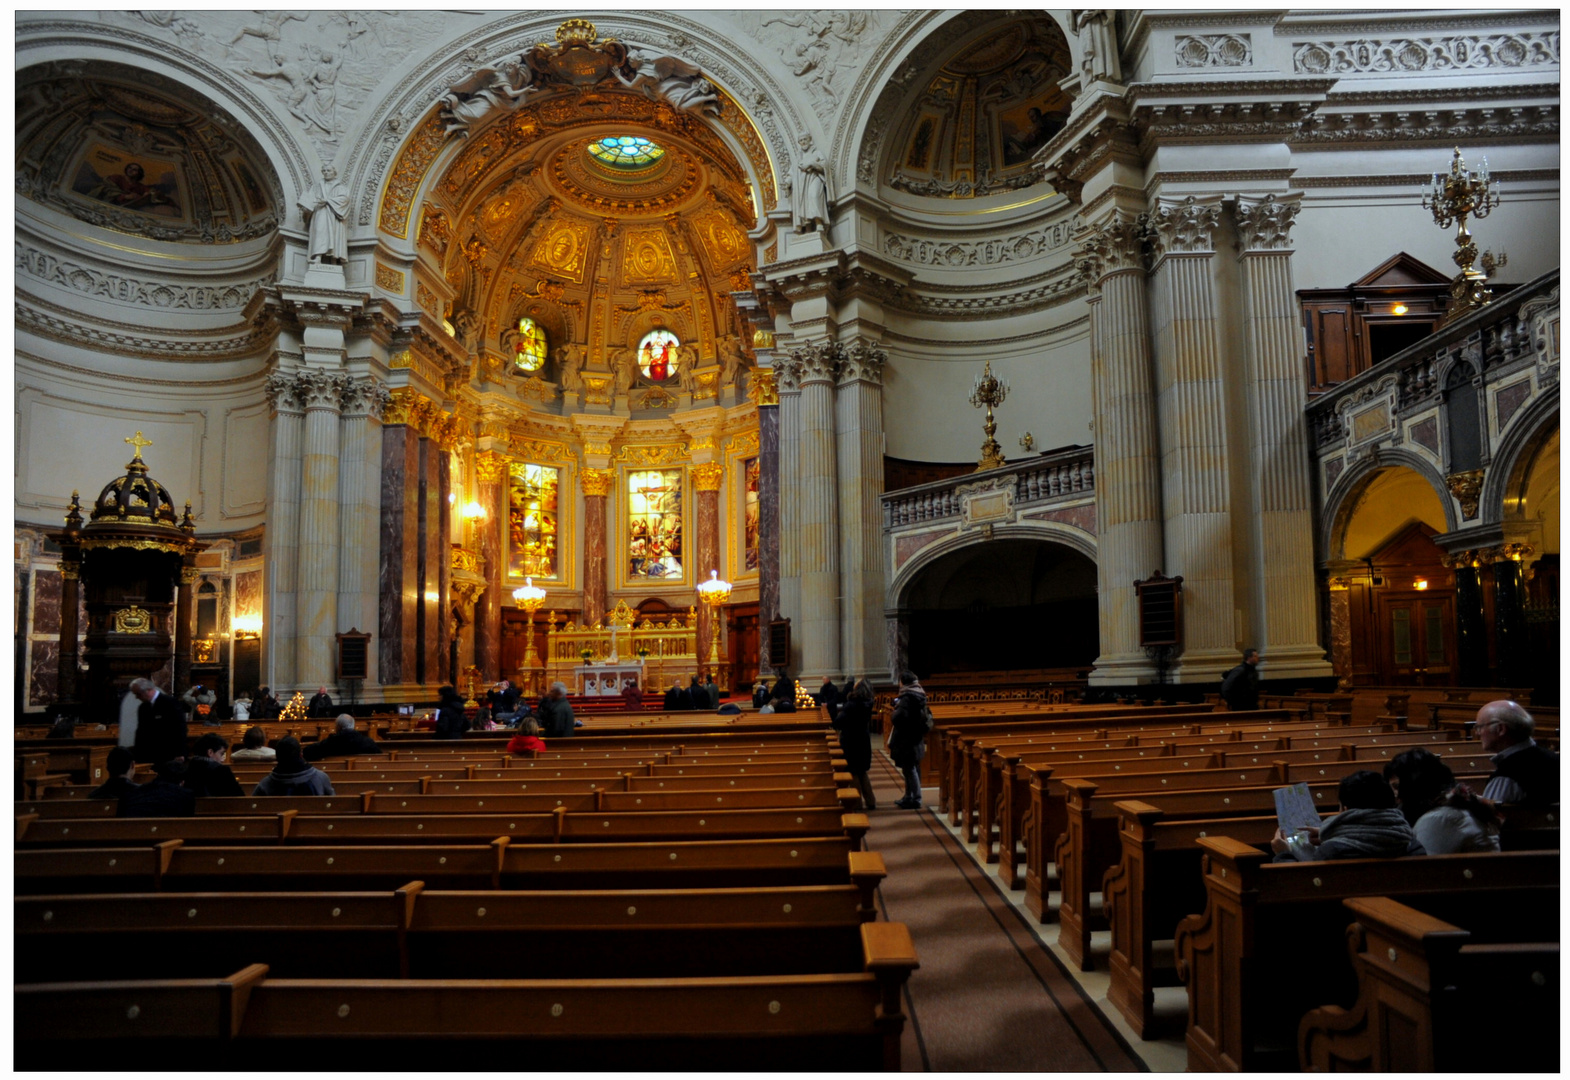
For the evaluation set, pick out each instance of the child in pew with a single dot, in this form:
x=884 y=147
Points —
x=1446 y=817
x=293 y=775
x=1368 y=827
x=528 y=738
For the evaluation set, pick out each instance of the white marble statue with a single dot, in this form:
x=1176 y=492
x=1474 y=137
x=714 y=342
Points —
x=732 y=357
x=468 y=102
x=324 y=206
x=570 y=359
x=669 y=79
x=810 y=210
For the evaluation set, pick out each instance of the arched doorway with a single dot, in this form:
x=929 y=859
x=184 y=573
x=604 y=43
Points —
x=1004 y=605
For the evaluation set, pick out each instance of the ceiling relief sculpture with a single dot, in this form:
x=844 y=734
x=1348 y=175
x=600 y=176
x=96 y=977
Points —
x=125 y=150
x=601 y=208
x=983 y=113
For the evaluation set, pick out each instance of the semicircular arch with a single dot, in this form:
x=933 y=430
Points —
x=1512 y=460
x=1342 y=500
x=1076 y=540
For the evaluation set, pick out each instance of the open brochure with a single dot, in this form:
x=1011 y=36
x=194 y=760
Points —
x=1295 y=809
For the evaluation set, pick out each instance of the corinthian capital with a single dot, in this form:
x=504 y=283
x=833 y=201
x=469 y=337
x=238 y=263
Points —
x=1264 y=223
x=1185 y=226
x=319 y=389
x=820 y=362
x=365 y=396
x=281 y=393
x=862 y=362
x=1112 y=244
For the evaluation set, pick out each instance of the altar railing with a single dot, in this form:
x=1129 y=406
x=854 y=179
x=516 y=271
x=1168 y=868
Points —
x=671 y=648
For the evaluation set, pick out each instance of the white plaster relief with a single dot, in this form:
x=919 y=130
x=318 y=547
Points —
x=1464 y=52
x=1214 y=50
x=128 y=290
x=1021 y=247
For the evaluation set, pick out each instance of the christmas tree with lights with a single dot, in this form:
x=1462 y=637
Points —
x=295 y=710
x=804 y=699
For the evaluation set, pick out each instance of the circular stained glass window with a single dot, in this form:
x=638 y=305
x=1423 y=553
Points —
x=626 y=151
x=531 y=346
x=657 y=355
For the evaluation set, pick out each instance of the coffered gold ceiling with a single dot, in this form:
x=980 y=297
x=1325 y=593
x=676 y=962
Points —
x=526 y=222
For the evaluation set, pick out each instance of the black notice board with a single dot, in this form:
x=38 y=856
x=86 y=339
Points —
x=779 y=644
x=1160 y=610
x=354 y=651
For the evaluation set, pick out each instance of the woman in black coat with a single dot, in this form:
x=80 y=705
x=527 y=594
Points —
x=854 y=722
x=451 y=723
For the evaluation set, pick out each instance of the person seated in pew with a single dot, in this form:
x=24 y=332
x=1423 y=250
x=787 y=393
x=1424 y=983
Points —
x=451 y=721
x=1446 y=817
x=1524 y=773
x=1240 y=686
x=205 y=771
x=165 y=796
x=1368 y=826
x=255 y=747
x=321 y=704
x=293 y=775
x=528 y=738
x=343 y=742
x=556 y=718
x=503 y=700
x=121 y=768
x=760 y=694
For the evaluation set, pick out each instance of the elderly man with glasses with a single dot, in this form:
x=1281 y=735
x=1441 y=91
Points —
x=1524 y=772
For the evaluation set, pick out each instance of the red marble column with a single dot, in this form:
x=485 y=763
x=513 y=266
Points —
x=706 y=480
x=596 y=484
x=490 y=469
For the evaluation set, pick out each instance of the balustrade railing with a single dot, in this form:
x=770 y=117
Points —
x=1068 y=473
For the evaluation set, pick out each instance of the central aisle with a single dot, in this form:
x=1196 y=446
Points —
x=988 y=996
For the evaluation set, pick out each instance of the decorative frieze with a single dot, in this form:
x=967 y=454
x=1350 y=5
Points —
x=1455 y=53
x=1213 y=50
x=958 y=254
x=129 y=290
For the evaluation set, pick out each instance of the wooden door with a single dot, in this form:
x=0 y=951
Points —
x=1417 y=631
x=741 y=645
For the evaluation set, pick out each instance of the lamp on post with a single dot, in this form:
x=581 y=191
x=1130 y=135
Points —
x=714 y=592
x=529 y=596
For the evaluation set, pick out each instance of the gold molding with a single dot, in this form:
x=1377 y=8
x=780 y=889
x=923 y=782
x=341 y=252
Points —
x=489 y=466
x=709 y=476
x=390 y=279
x=133 y=620
x=173 y=547
x=654 y=456
x=596 y=481
x=761 y=387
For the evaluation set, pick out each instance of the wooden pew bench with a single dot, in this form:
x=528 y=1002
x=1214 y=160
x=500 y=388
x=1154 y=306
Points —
x=1420 y=980
x=1262 y=919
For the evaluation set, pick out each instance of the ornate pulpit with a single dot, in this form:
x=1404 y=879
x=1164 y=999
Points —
x=134 y=561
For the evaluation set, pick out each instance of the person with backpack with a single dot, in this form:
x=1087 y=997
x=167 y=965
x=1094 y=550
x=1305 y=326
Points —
x=908 y=745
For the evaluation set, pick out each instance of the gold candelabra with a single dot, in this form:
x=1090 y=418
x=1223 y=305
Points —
x=989 y=393
x=529 y=596
x=1453 y=197
x=714 y=592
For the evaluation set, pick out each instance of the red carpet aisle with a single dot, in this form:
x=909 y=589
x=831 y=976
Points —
x=988 y=997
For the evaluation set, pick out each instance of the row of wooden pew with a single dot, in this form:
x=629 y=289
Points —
x=1169 y=815
x=713 y=910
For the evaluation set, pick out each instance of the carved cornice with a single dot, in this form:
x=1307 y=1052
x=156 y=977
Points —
x=1430 y=125
x=1400 y=55
x=108 y=285
x=708 y=476
x=1184 y=226
x=1265 y=224
x=39 y=317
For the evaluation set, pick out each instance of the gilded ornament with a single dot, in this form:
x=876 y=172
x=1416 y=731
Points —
x=88 y=542
x=389 y=279
x=743 y=444
x=652 y=454
x=489 y=467
x=708 y=476
x=133 y=620
x=535 y=451
x=403 y=407
x=189 y=575
x=467 y=562
x=407 y=174
x=596 y=481
x=402 y=359
x=564 y=249
x=1466 y=487
x=761 y=387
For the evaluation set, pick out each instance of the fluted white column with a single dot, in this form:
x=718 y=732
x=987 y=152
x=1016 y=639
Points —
x=1128 y=478
x=317 y=603
x=1196 y=438
x=281 y=540
x=1286 y=615
x=816 y=368
x=858 y=407
x=790 y=504
x=359 y=502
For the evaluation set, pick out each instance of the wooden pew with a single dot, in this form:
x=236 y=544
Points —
x=1264 y=918
x=250 y=1021
x=1420 y=980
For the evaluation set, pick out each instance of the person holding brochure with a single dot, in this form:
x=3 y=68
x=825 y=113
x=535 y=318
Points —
x=1368 y=827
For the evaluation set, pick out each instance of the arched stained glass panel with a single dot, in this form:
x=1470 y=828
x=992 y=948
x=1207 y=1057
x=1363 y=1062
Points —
x=657 y=355
x=532 y=346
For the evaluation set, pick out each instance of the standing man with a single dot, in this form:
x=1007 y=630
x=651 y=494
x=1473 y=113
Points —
x=1524 y=773
x=160 y=725
x=321 y=705
x=1240 y=686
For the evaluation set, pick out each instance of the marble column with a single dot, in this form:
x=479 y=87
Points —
x=596 y=484
x=317 y=589
x=790 y=506
x=359 y=509
x=768 y=511
x=1513 y=667
x=858 y=406
x=430 y=556
x=1471 y=626
x=707 y=479
x=183 y=601
x=817 y=535
x=1341 y=631
x=490 y=470
x=1196 y=437
x=442 y=550
x=1128 y=479
x=280 y=542
x=1281 y=547
x=70 y=589
x=397 y=577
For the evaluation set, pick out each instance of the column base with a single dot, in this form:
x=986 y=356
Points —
x=1127 y=669
x=1205 y=665
x=1295 y=662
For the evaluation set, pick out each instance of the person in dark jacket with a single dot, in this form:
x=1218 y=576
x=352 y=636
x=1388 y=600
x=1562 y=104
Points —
x=205 y=771
x=908 y=743
x=631 y=697
x=121 y=768
x=711 y=693
x=160 y=724
x=854 y=722
x=165 y=796
x=264 y=706
x=828 y=695
x=451 y=722
x=760 y=694
x=1240 y=686
x=1524 y=773
x=293 y=775
x=503 y=699
x=784 y=688
x=320 y=705
x=1369 y=826
x=673 y=698
x=556 y=719
x=343 y=742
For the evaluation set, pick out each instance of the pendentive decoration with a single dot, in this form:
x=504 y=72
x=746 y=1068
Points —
x=989 y=393
x=1453 y=198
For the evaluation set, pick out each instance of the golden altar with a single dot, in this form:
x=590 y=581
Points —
x=668 y=650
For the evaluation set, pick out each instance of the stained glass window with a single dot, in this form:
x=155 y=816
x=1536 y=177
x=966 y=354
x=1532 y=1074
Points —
x=531 y=346
x=626 y=151
x=532 y=520
x=654 y=545
x=657 y=355
x=750 y=511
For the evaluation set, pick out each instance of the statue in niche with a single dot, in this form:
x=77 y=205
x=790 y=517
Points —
x=1097 y=30
x=324 y=207
x=570 y=359
x=669 y=79
x=810 y=208
x=687 y=372
x=732 y=356
x=467 y=323
x=623 y=364
x=468 y=102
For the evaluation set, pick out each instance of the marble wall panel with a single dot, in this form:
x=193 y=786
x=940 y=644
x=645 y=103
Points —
x=396 y=573
x=768 y=528
x=46 y=602
x=43 y=678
